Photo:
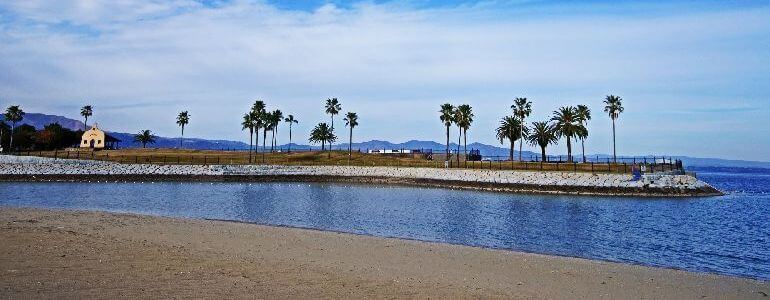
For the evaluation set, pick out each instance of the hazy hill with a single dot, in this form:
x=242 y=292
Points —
x=40 y=120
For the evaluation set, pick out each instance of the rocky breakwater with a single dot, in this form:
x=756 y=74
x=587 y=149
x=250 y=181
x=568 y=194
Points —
x=46 y=169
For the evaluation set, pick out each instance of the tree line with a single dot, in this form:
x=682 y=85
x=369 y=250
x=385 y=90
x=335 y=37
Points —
x=568 y=122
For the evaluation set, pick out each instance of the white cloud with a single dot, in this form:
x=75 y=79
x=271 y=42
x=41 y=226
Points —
x=389 y=62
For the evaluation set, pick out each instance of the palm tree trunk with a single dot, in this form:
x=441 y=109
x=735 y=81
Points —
x=350 y=143
x=542 y=152
x=447 y=144
x=272 y=140
x=513 y=142
x=85 y=124
x=465 y=142
x=251 y=142
x=256 y=143
x=330 y=142
x=614 y=153
x=569 y=149
x=289 y=137
x=182 y=137
x=264 y=138
x=521 y=136
x=13 y=130
x=458 y=144
x=583 y=144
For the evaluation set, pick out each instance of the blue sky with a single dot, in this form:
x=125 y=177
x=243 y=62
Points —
x=693 y=74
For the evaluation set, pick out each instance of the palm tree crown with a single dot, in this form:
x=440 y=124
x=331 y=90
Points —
x=13 y=114
x=323 y=134
x=145 y=137
x=567 y=125
x=290 y=119
x=86 y=112
x=613 y=106
x=351 y=120
x=583 y=115
x=510 y=129
x=333 y=107
x=542 y=135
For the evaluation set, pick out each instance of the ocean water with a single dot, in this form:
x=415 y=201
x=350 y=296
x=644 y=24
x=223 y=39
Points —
x=725 y=235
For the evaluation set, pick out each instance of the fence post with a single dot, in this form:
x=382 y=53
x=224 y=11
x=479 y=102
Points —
x=592 y=167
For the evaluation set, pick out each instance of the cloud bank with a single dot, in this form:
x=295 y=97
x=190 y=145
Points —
x=691 y=74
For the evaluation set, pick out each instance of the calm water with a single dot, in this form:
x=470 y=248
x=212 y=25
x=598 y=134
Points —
x=729 y=235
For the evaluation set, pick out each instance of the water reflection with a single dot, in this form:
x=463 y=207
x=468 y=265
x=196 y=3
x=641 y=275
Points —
x=724 y=234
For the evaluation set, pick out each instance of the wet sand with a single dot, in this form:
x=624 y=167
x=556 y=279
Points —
x=74 y=254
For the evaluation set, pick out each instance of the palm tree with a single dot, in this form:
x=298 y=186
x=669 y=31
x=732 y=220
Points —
x=464 y=120
x=447 y=117
x=182 y=119
x=257 y=117
x=86 y=112
x=543 y=134
x=276 y=117
x=248 y=123
x=290 y=119
x=351 y=120
x=266 y=122
x=13 y=114
x=583 y=116
x=145 y=137
x=322 y=133
x=521 y=109
x=511 y=130
x=613 y=106
x=567 y=125
x=333 y=107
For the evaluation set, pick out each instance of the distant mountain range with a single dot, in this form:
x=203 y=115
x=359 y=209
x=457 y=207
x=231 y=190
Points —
x=40 y=120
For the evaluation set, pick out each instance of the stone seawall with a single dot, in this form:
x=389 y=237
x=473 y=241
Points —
x=44 y=169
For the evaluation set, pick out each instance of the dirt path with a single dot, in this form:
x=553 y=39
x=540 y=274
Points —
x=69 y=254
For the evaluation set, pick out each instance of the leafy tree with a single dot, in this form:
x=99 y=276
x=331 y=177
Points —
x=521 y=109
x=323 y=134
x=613 y=107
x=351 y=120
x=447 y=118
x=333 y=107
x=290 y=119
x=13 y=114
x=542 y=134
x=24 y=137
x=182 y=119
x=510 y=129
x=583 y=116
x=86 y=112
x=567 y=125
x=145 y=137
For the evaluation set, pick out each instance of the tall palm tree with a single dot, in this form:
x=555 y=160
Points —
x=510 y=129
x=13 y=114
x=333 y=107
x=290 y=119
x=351 y=120
x=521 y=109
x=447 y=118
x=567 y=125
x=145 y=137
x=458 y=121
x=266 y=122
x=583 y=116
x=257 y=117
x=248 y=123
x=323 y=134
x=276 y=117
x=542 y=134
x=613 y=107
x=182 y=119
x=466 y=118
x=86 y=112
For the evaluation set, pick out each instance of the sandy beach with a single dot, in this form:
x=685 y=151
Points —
x=74 y=254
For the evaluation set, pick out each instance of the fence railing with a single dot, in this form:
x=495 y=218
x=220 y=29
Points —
x=341 y=158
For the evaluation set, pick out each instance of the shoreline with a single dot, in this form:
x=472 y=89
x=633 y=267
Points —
x=139 y=255
x=528 y=182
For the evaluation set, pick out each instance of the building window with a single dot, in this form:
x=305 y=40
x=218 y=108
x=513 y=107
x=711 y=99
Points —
x=100 y=142
x=85 y=142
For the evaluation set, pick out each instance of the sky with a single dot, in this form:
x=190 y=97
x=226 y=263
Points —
x=694 y=75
